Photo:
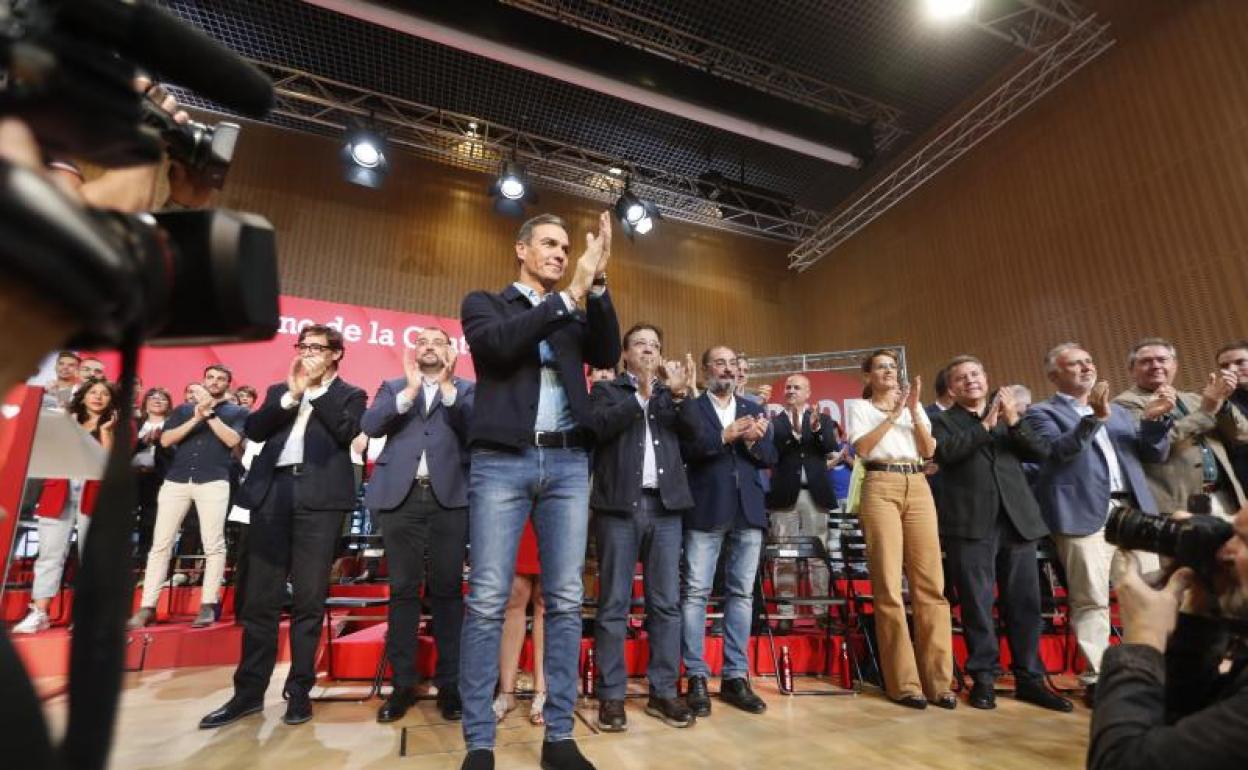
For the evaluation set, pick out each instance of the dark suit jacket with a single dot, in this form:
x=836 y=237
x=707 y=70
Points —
x=795 y=451
x=620 y=453
x=983 y=474
x=441 y=434
x=723 y=477
x=504 y=331
x=328 y=481
x=1073 y=485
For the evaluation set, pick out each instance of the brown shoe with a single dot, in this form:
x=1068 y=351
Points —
x=611 y=716
x=674 y=712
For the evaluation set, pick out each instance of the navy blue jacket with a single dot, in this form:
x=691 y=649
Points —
x=441 y=434
x=723 y=477
x=328 y=481
x=1073 y=485
x=504 y=331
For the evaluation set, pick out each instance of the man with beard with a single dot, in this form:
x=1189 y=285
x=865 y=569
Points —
x=205 y=434
x=420 y=492
x=731 y=442
x=1171 y=695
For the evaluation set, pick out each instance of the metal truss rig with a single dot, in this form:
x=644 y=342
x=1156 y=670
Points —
x=655 y=37
x=841 y=360
x=1080 y=41
x=322 y=105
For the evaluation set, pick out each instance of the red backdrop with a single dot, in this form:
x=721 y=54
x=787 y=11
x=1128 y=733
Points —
x=375 y=341
x=828 y=389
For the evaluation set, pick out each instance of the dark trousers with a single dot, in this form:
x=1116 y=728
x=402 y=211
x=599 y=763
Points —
x=148 y=483
x=285 y=540
x=241 y=550
x=653 y=535
x=1005 y=560
x=418 y=525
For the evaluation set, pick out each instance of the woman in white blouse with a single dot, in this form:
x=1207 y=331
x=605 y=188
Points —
x=890 y=432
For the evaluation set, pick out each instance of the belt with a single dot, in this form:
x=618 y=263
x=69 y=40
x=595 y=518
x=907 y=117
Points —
x=298 y=469
x=1119 y=495
x=1210 y=489
x=896 y=467
x=560 y=439
x=653 y=491
x=423 y=481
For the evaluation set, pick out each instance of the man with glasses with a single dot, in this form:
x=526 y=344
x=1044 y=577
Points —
x=1198 y=469
x=729 y=440
x=420 y=491
x=298 y=489
x=530 y=438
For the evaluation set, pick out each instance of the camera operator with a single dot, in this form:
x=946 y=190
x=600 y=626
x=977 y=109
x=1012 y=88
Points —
x=1166 y=698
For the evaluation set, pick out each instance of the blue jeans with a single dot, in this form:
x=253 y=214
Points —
x=701 y=553
x=652 y=534
x=504 y=489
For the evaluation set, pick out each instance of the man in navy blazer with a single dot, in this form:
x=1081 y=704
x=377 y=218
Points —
x=1095 y=450
x=530 y=437
x=729 y=441
x=298 y=489
x=419 y=490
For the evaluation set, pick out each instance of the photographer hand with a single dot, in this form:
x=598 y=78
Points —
x=1148 y=615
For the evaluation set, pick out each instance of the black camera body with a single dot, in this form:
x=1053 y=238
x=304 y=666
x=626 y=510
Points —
x=1193 y=542
x=205 y=150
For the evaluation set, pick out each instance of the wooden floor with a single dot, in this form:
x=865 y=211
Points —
x=157 y=729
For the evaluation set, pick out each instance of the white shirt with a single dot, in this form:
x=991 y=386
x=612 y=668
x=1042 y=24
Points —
x=728 y=414
x=898 y=444
x=649 y=465
x=1101 y=438
x=403 y=404
x=292 y=452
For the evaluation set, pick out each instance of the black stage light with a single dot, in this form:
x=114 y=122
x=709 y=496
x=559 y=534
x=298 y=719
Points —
x=364 y=157
x=511 y=190
x=635 y=215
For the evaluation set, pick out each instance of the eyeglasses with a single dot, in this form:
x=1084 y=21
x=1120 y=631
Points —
x=311 y=347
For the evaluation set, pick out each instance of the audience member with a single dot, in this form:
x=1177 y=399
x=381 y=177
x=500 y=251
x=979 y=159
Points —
x=1233 y=358
x=150 y=463
x=58 y=393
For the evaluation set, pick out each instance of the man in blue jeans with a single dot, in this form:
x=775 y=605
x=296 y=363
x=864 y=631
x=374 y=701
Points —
x=530 y=439
x=731 y=442
x=640 y=492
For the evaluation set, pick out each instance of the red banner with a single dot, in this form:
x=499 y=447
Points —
x=830 y=390
x=375 y=341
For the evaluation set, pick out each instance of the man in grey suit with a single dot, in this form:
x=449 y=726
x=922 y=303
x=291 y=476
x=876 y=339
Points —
x=1095 y=451
x=1201 y=426
x=419 y=489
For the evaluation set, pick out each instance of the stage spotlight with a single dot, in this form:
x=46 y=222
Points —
x=364 y=157
x=635 y=215
x=511 y=183
x=945 y=10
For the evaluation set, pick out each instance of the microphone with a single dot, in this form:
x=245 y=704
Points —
x=174 y=50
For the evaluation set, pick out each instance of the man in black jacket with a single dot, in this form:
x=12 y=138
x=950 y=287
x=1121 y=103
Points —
x=1175 y=692
x=800 y=495
x=989 y=524
x=298 y=489
x=640 y=491
x=530 y=438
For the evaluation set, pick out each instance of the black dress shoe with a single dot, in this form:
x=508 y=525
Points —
x=947 y=701
x=449 y=704
x=673 y=711
x=611 y=716
x=233 y=711
x=697 y=697
x=737 y=692
x=983 y=696
x=401 y=699
x=478 y=759
x=563 y=755
x=912 y=702
x=298 y=710
x=1037 y=694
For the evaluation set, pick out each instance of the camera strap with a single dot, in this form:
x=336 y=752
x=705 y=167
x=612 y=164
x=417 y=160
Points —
x=103 y=594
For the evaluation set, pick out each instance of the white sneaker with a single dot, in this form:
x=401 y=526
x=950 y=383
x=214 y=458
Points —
x=179 y=579
x=37 y=620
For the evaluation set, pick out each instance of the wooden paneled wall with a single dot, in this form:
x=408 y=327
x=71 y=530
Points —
x=429 y=236
x=1114 y=208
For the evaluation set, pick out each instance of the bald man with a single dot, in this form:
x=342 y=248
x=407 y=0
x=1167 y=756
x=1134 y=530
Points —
x=800 y=495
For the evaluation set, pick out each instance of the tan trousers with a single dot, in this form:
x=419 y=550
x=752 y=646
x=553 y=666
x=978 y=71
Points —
x=211 y=501
x=899 y=521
